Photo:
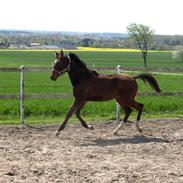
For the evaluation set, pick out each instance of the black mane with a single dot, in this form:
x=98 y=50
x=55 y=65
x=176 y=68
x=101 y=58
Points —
x=77 y=60
x=83 y=71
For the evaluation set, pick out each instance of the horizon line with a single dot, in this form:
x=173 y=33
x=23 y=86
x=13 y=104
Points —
x=77 y=32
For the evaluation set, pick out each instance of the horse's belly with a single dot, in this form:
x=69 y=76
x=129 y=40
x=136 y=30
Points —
x=102 y=96
x=99 y=98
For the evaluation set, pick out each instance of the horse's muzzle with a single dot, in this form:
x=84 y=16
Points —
x=53 y=76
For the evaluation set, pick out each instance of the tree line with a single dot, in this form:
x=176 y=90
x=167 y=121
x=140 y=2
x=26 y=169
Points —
x=25 y=39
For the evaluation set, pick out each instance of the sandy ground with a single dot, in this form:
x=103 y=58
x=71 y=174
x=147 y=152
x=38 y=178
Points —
x=79 y=155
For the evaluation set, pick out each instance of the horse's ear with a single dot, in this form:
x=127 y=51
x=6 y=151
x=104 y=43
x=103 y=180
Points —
x=56 y=54
x=62 y=53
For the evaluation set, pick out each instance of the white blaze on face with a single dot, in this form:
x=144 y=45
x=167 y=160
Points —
x=53 y=63
x=56 y=60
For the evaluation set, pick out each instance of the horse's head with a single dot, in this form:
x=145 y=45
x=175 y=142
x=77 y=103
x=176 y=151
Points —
x=61 y=65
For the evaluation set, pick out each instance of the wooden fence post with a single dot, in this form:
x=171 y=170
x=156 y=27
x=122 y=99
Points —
x=118 y=69
x=22 y=95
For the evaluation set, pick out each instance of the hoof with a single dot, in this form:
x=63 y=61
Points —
x=140 y=130
x=90 y=127
x=115 y=133
x=57 y=134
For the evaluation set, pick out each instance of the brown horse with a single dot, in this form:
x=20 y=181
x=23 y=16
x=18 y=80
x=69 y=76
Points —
x=89 y=85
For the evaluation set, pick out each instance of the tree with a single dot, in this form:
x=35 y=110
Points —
x=87 y=42
x=142 y=35
x=178 y=53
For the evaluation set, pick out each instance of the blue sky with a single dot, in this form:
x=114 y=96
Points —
x=164 y=16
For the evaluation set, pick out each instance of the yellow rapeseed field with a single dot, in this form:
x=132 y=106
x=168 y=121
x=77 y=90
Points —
x=87 y=49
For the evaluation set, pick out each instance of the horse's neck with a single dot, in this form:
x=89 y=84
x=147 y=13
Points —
x=77 y=74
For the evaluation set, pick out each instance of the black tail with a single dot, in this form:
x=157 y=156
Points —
x=150 y=79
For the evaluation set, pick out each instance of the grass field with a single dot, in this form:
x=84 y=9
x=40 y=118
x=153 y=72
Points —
x=39 y=110
x=100 y=58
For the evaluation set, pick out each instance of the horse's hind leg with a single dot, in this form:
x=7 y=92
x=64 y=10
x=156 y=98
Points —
x=127 y=111
x=85 y=125
x=139 y=107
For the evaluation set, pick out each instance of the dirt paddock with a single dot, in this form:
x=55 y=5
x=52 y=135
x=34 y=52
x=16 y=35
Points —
x=78 y=155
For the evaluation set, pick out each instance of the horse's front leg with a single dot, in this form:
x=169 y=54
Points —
x=84 y=124
x=69 y=114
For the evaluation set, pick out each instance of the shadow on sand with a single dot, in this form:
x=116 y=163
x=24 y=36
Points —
x=138 y=139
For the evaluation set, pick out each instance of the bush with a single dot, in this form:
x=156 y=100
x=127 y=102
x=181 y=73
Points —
x=178 y=53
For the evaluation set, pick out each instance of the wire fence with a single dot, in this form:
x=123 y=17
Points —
x=22 y=96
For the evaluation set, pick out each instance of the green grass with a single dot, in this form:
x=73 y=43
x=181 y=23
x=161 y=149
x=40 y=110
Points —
x=45 y=58
x=53 y=110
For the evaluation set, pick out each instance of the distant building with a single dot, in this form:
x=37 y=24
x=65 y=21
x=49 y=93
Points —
x=49 y=47
x=35 y=44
